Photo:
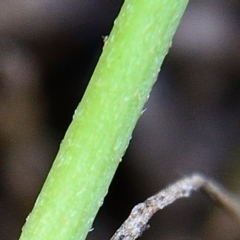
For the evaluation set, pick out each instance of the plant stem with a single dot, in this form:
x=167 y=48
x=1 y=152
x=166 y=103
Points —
x=137 y=222
x=103 y=122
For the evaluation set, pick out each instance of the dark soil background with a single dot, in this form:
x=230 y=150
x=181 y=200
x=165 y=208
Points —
x=48 y=50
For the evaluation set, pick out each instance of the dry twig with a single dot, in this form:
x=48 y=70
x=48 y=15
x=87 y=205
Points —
x=137 y=222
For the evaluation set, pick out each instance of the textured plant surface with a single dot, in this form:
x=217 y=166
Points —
x=103 y=122
x=138 y=220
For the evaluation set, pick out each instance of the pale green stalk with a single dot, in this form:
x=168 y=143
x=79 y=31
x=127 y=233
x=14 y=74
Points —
x=103 y=122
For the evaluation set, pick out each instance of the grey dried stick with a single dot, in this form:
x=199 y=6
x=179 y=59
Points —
x=137 y=222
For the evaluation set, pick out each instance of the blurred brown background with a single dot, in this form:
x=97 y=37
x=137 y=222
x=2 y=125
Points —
x=48 y=50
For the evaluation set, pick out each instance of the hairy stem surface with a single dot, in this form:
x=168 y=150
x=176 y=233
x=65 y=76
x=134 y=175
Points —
x=104 y=121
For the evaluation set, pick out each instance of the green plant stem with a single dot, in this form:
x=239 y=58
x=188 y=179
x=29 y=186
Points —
x=103 y=122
